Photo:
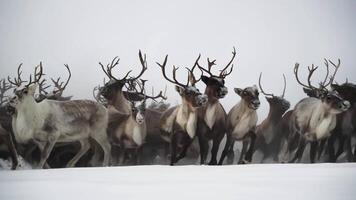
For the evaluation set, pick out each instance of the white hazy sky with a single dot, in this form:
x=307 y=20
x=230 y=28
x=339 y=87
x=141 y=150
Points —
x=270 y=36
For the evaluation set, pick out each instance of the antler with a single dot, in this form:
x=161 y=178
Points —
x=192 y=78
x=115 y=62
x=17 y=81
x=311 y=71
x=143 y=91
x=97 y=96
x=37 y=75
x=259 y=84
x=334 y=74
x=174 y=81
x=223 y=72
x=4 y=87
x=143 y=62
x=285 y=85
x=59 y=86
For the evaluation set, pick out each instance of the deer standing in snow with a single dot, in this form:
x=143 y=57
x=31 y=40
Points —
x=313 y=119
x=49 y=122
x=212 y=116
x=179 y=123
x=269 y=138
x=241 y=124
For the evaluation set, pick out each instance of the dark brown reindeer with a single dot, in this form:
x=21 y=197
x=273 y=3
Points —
x=241 y=124
x=212 y=116
x=179 y=123
x=313 y=119
x=50 y=121
x=6 y=134
x=345 y=128
x=269 y=139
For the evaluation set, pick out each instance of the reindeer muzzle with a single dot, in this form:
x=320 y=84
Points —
x=255 y=104
x=201 y=99
x=344 y=105
x=222 y=92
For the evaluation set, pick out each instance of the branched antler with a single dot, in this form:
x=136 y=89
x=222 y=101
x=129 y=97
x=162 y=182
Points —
x=4 y=87
x=174 y=81
x=17 y=81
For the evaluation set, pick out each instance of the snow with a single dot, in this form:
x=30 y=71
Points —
x=254 y=181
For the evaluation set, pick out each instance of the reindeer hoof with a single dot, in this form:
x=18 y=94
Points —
x=244 y=162
x=213 y=162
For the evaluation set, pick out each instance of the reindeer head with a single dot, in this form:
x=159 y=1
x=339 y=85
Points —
x=137 y=93
x=346 y=90
x=115 y=85
x=331 y=99
x=28 y=91
x=250 y=95
x=276 y=102
x=189 y=93
x=215 y=84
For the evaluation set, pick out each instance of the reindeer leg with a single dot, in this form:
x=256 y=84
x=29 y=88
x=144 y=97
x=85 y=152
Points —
x=298 y=155
x=102 y=140
x=348 y=149
x=47 y=150
x=187 y=142
x=215 y=149
x=251 y=149
x=340 y=150
x=313 y=149
x=84 y=147
x=203 y=146
x=228 y=146
x=321 y=147
x=13 y=152
x=243 y=151
x=173 y=147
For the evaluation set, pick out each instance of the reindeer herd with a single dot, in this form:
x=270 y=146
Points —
x=119 y=128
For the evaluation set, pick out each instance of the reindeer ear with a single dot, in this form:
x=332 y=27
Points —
x=32 y=89
x=238 y=91
x=179 y=89
x=205 y=79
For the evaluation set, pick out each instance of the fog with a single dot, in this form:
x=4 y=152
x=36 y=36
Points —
x=269 y=36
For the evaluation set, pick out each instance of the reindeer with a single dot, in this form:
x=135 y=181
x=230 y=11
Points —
x=120 y=108
x=132 y=132
x=179 y=123
x=212 y=116
x=241 y=124
x=269 y=138
x=313 y=119
x=6 y=133
x=50 y=121
x=346 y=124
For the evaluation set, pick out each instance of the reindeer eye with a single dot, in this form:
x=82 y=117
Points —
x=25 y=91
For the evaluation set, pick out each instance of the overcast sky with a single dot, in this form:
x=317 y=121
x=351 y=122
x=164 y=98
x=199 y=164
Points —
x=270 y=36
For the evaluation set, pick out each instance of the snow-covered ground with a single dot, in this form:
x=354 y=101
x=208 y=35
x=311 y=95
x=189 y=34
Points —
x=255 y=181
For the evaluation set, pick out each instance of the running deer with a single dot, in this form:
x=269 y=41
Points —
x=6 y=133
x=112 y=95
x=269 y=137
x=179 y=123
x=212 y=116
x=313 y=119
x=345 y=128
x=49 y=122
x=241 y=124
x=131 y=133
